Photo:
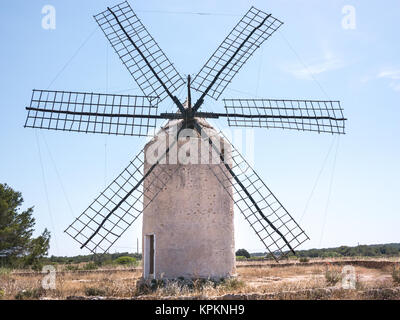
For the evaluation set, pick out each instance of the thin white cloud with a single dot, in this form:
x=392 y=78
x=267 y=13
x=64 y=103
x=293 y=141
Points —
x=306 y=71
x=393 y=75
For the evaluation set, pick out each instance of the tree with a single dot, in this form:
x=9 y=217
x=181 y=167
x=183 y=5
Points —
x=243 y=253
x=125 y=260
x=16 y=228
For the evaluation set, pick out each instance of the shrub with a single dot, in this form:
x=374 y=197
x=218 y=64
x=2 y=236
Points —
x=157 y=283
x=91 y=291
x=202 y=284
x=241 y=258
x=71 y=267
x=37 y=266
x=330 y=254
x=243 y=252
x=233 y=284
x=2 y=293
x=125 y=260
x=143 y=288
x=91 y=266
x=5 y=272
x=333 y=276
x=182 y=286
x=107 y=262
x=304 y=260
x=30 y=294
x=396 y=275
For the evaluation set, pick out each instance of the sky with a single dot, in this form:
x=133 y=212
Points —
x=342 y=190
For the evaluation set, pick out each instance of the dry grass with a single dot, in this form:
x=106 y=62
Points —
x=290 y=281
x=115 y=284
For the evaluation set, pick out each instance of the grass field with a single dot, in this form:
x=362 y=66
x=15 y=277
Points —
x=315 y=279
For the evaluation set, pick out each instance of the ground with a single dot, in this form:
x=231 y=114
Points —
x=314 y=279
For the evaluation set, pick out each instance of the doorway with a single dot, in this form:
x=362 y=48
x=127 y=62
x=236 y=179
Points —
x=149 y=258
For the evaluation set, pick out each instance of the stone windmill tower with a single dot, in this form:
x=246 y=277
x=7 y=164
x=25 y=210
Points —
x=188 y=214
x=180 y=238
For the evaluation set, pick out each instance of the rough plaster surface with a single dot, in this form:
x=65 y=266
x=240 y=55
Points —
x=192 y=219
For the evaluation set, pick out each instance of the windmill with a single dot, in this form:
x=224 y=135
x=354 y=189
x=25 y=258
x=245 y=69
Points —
x=137 y=188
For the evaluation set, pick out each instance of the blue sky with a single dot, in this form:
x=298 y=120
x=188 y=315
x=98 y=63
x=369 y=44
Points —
x=343 y=190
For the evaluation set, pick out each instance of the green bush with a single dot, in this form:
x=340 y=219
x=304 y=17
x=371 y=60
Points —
x=330 y=254
x=91 y=266
x=233 y=284
x=243 y=252
x=241 y=258
x=2 y=293
x=30 y=294
x=5 y=271
x=149 y=286
x=304 y=260
x=37 y=266
x=91 y=291
x=396 y=275
x=71 y=267
x=107 y=262
x=333 y=276
x=125 y=260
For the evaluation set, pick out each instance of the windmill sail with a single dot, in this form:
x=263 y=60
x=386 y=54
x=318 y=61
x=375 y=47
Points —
x=306 y=115
x=247 y=36
x=269 y=219
x=139 y=52
x=92 y=113
x=120 y=204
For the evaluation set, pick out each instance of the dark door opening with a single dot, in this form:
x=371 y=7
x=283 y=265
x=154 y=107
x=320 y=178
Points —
x=151 y=253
